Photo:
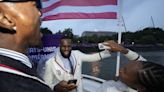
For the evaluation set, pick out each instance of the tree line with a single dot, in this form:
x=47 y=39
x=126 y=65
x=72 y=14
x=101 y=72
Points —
x=147 y=35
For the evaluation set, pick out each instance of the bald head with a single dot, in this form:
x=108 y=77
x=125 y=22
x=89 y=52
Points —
x=22 y=19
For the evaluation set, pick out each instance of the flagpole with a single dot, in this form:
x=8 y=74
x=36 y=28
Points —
x=118 y=55
x=119 y=39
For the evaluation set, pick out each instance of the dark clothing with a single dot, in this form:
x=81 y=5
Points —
x=10 y=82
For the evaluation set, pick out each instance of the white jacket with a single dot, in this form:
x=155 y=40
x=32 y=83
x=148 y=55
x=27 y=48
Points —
x=56 y=72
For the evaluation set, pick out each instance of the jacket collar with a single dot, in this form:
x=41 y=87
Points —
x=58 y=59
x=16 y=55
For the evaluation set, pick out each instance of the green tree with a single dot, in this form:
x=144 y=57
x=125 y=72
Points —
x=45 y=31
x=145 y=36
x=128 y=37
x=68 y=32
x=147 y=39
x=59 y=32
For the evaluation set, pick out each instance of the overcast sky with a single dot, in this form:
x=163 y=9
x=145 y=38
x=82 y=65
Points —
x=136 y=13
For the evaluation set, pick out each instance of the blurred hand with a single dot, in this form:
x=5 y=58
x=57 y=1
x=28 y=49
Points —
x=63 y=86
x=115 y=47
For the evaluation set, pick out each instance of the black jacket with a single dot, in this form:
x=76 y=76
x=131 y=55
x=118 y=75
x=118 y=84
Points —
x=11 y=82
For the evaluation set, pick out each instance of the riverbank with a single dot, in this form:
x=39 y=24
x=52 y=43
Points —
x=93 y=47
x=145 y=47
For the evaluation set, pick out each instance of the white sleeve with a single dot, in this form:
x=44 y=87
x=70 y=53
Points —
x=93 y=57
x=133 y=56
x=49 y=76
x=112 y=86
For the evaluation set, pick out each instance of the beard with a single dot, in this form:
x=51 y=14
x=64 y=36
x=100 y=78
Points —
x=65 y=56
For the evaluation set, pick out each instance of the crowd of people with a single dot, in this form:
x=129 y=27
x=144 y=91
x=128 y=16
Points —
x=20 y=29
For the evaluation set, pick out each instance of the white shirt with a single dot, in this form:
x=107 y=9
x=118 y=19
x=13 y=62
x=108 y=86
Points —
x=16 y=55
x=67 y=65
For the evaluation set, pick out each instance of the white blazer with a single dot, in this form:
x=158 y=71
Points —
x=56 y=72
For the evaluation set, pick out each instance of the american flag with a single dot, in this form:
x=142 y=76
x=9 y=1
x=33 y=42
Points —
x=79 y=9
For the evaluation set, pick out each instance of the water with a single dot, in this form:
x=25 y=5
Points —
x=105 y=69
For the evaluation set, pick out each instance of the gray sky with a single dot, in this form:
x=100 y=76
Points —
x=136 y=13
